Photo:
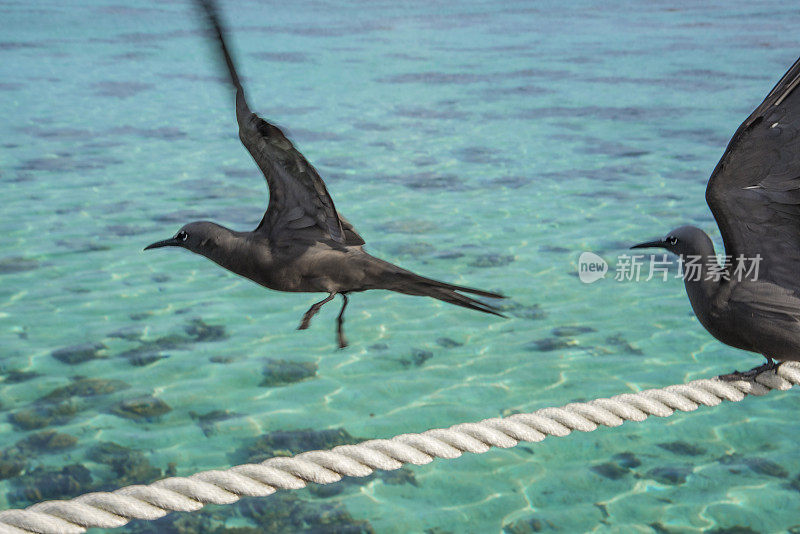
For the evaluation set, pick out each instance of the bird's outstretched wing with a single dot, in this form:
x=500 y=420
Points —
x=299 y=203
x=754 y=191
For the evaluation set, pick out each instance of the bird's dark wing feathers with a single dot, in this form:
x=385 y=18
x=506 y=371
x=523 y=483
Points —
x=754 y=191
x=299 y=202
x=300 y=206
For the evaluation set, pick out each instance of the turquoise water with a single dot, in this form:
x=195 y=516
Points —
x=481 y=143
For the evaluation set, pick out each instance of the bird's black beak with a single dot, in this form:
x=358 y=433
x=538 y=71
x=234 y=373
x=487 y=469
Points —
x=659 y=243
x=171 y=242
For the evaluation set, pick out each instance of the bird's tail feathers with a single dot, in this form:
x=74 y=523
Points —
x=413 y=284
x=448 y=295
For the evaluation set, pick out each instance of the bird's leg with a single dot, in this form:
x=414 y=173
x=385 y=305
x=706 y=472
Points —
x=312 y=311
x=340 y=324
x=771 y=365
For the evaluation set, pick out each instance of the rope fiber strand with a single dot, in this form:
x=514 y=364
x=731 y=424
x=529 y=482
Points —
x=114 y=509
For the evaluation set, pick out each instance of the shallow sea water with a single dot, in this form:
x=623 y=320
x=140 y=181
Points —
x=482 y=143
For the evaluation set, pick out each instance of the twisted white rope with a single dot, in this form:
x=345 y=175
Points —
x=191 y=493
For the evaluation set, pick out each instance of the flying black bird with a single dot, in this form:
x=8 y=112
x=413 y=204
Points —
x=752 y=301
x=302 y=244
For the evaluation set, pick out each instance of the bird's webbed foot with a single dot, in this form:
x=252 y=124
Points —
x=312 y=311
x=771 y=365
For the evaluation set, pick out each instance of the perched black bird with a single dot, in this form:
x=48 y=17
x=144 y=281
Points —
x=754 y=194
x=302 y=244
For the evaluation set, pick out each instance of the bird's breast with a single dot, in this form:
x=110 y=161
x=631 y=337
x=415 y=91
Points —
x=251 y=260
x=710 y=303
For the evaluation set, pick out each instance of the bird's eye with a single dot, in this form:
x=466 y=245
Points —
x=672 y=240
x=182 y=236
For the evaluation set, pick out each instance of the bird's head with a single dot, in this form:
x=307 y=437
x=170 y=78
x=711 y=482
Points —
x=199 y=237
x=683 y=241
